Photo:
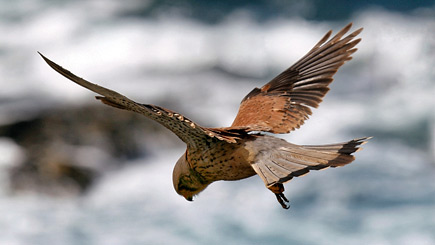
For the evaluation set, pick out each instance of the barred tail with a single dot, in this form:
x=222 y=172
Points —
x=290 y=161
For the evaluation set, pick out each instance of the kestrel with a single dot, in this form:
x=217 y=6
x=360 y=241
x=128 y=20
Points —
x=242 y=150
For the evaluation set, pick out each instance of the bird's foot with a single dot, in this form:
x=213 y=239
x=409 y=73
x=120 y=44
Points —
x=278 y=189
x=282 y=200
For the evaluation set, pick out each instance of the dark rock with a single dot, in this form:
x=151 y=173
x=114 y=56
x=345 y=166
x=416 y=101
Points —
x=67 y=149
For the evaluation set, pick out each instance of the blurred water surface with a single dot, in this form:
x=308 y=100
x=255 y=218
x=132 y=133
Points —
x=202 y=59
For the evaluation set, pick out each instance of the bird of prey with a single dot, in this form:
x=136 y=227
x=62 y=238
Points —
x=243 y=149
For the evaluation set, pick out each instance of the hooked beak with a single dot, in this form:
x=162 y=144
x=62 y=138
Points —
x=190 y=199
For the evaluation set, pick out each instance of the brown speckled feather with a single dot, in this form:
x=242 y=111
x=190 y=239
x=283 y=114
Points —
x=187 y=130
x=283 y=104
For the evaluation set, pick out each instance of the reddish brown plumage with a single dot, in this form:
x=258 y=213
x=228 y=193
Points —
x=283 y=104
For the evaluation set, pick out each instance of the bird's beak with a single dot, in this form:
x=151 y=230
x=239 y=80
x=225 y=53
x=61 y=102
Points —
x=190 y=199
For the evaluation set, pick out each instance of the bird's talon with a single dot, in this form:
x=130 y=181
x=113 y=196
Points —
x=282 y=200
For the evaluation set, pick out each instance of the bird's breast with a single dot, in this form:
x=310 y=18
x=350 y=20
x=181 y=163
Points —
x=221 y=161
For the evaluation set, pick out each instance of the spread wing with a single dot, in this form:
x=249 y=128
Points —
x=283 y=104
x=187 y=130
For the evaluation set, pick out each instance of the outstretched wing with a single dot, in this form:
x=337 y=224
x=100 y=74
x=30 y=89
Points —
x=283 y=104
x=188 y=131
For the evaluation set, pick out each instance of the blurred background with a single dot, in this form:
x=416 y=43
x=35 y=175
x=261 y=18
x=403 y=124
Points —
x=73 y=171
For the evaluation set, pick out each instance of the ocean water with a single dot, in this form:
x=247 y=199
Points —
x=204 y=69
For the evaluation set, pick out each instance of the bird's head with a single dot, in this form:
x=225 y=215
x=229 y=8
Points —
x=187 y=182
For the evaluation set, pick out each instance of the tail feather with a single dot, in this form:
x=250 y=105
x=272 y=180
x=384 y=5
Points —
x=286 y=162
x=345 y=147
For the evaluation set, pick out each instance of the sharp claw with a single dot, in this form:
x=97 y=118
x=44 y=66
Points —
x=282 y=200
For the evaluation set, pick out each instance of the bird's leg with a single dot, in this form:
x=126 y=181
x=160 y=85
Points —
x=278 y=189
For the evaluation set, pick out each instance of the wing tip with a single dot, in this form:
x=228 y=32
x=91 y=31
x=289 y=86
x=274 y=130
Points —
x=364 y=140
x=347 y=27
x=47 y=60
